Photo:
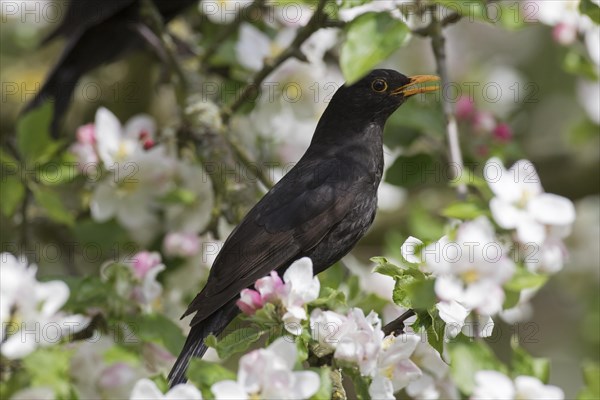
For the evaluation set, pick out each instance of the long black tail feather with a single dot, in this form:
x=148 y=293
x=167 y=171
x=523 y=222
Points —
x=194 y=345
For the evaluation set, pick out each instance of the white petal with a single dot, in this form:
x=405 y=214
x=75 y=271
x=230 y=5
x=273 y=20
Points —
x=381 y=388
x=492 y=385
x=285 y=349
x=409 y=250
x=530 y=231
x=227 y=390
x=500 y=181
x=103 y=205
x=20 y=344
x=531 y=388
x=454 y=314
x=138 y=124
x=551 y=209
x=306 y=384
x=145 y=389
x=449 y=288
x=108 y=135
x=505 y=214
x=184 y=391
x=253 y=47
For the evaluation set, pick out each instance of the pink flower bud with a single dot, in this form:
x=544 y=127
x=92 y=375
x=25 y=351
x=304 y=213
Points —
x=144 y=261
x=86 y=134
x=564 y=33
x=181 y=244
x=483 y=122
x=465 y=107
x=249 y=301
x=148 y=144
x=269 y=286
x=502 y=132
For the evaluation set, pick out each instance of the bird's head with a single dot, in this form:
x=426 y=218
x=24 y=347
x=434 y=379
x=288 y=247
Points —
x=380 y=93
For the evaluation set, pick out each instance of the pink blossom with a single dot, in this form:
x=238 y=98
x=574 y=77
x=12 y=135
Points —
x=250 y=301
x=503 y=132
x=465 y=107
x=144 y=261
x=181 y=244
x=269 y=286
x=86 y=134
x=564 y=33
x=483 y=122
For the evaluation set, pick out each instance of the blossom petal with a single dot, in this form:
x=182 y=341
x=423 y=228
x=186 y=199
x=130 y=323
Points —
x=491 y=385
x=408 y=250
x=227 y=390
x=145 y=389
x=551 y=209
x=381 y=388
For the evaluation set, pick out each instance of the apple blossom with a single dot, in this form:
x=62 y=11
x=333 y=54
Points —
x=145 y=389
x=30 y=313
x=490 y=385
x=268 y=374
x=181 y=244
x=520 y=202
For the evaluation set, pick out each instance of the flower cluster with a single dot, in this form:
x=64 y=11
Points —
x=496 y=385
x=298 y=288
x=30 y=311
x=141 y=179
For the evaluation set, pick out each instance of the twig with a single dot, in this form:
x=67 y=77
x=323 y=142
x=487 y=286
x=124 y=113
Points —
x=316 y=21
x=438 y=41
x=397 y=325
x=229 y=30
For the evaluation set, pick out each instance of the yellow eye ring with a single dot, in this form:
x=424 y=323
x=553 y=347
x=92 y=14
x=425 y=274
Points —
x=379 y=85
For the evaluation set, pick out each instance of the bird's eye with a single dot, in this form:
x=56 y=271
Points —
x=379 y=85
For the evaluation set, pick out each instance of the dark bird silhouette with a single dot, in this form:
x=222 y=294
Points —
x=96 y=33
x=320 y=209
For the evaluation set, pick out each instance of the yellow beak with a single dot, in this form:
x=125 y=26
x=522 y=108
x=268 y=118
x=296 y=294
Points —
x=410 y=89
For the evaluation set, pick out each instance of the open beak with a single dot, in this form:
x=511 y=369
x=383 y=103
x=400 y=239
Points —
x=411 y=89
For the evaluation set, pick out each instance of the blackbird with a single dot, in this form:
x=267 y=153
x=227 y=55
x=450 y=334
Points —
x=97 y=32
x=320 y=209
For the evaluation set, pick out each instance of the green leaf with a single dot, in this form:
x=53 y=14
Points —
x=33 y=138
x=384 y=267
x=511 y=299
x=179 y=196
x=591 y=391
x=523 y=363
x=468 y=358
x=371 y=38
x=464 y=211
x=326 y=387
x=523 y=279
x=160 y=329
x=57 y=172
x=401 y=295
x=329 y=297
x=49 y=367
x=421 y=294
x=589 y=8
x=436 y=331
x=579 y=64
x=53 y=205
x=361 y=384
x=11 y=195
x=236 y=342
x=205 y=374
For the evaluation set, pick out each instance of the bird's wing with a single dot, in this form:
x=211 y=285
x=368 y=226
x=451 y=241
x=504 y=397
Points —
x=289 y=221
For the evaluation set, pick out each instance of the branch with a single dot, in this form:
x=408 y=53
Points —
x=316 y=21
x=438 y=41
x=397 y=325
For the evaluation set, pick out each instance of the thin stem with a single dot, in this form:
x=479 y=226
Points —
x=438 y=42
x=397 y=325
x=316 y=21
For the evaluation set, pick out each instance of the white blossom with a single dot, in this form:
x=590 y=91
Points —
x=30 y=310
x=492 y=385
x=145 y=389
x=268 y=374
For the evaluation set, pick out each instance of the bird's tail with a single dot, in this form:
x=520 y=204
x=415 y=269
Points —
x=194 y=345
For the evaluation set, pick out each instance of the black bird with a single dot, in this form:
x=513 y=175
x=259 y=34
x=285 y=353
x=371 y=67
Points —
x=97 y=32
x=320 y=209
